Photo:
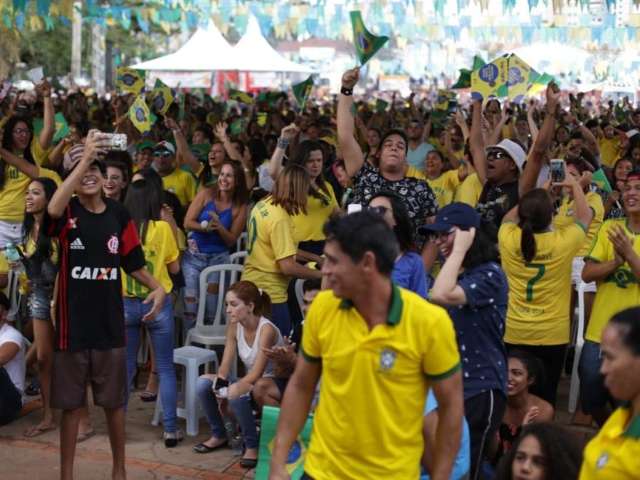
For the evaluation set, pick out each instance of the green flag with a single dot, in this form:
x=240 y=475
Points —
x=240 y=96
x=61 y=127
x=140 y=115
x=237 y=126
x=161 y=97
x=381 y=105
x=464 y=79
x=302 y=90
x=601 y=180
x=365 y=42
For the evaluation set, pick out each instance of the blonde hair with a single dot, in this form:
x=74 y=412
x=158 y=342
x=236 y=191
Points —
x=291 y=189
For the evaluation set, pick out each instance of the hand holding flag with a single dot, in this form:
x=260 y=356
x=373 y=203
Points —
x=161 y=97
x=301 y=92
x=140 y=115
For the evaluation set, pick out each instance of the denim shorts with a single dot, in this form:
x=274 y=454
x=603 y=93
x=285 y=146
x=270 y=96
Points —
x=593 y=394
x=39 y=302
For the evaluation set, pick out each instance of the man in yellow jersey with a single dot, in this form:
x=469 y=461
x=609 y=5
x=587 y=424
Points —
x=174 y=179
x=610 y=145
x=379 y=349
x=614 y=263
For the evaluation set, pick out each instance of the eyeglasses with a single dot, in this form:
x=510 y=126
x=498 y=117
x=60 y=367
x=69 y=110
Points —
x=498 y=155
x=443 y=235
x=20 y=131
x=379 y=210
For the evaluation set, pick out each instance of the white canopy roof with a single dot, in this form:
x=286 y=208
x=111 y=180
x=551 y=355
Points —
x=206 y=50
x=254 y=54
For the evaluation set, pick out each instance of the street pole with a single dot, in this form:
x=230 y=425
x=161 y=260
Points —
x=76 y=41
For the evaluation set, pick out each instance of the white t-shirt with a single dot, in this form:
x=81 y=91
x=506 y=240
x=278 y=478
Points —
x=16 y=367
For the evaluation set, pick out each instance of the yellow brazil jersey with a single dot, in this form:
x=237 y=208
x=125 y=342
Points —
x=539 y=291
x=609 y=150
x=444 y=187
x=309 y=226
x=53 y=175
x=614 y=453
x=381 y=374
x=618 y=291
x=414 y=172
x=160 y=249
x=270 y=237
x=15 y=185
x=469 y=190
x=182 y=184
x=565 y=217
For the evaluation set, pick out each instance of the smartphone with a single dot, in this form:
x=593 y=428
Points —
x=556 y=167
x=221 y=383
x=117 y=141
x=353 y=208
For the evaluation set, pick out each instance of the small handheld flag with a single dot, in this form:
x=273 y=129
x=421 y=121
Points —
x=140 y=115
x=240 y=96
x=601 y=180
x=491 y=79
x=366 y=43
x=129 y=80
x=302 y=90
x=161 y=97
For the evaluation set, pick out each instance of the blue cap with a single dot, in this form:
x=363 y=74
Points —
x=455 y=214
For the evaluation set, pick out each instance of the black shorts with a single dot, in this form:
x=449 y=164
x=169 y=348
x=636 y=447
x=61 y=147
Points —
x=105 y=370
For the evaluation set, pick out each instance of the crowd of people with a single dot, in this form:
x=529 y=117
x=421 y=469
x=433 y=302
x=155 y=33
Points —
x=440 y=253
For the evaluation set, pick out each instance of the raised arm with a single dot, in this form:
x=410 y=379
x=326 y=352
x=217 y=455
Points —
x=542 y=144
x=496 y=133
x=351 y=151
x=95 y=145
x=533 y=128
x=287 y=134
x=49 y=126
x=183 y=150
x=230 y=148
x=476 y=142
x=28 y=168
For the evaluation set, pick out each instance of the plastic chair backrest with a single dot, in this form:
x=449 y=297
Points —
x=229 y=274
x=13 y=293
x=238 y=258
x=300 y=293
x=241 y=244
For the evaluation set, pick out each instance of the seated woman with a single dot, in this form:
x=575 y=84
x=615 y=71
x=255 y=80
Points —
x=12 y=366
x=408 y=271
x=249 y=334
x=544 y=451
x=523 y=407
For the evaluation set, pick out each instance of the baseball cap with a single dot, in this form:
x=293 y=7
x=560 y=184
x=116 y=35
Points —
x=455 y=214
x=144 y=144
x=164 y=145
x=514 y=150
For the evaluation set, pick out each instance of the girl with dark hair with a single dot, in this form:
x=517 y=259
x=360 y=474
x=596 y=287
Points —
x=544 y=451
x=40 y=262
x=321 y=202
x=615 y=451
x=537 y=261
x=158 y=239
x=18 y=139
x=443 y=183
x=115 y=183
x=613 y=203
x=523 y=407
x=215 y=219
x=249 y=334
x=408 y=270
x=473 y=288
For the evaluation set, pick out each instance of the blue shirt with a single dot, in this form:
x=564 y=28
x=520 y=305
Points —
x=462 y=463
x=416 y=157
x=211 y=242
x=480 y=329
x=408 y=272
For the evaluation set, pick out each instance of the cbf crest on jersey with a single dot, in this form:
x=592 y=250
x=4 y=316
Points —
x=387 y=359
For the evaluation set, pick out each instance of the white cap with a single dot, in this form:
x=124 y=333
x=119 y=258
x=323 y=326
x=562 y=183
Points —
x=514 y=150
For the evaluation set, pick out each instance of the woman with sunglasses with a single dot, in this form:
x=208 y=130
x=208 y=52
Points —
x=18 y=139
x=473 y=288
x=408 y=270
x=538 y=260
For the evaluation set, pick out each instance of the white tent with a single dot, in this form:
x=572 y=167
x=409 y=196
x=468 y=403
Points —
x=254 y=54
x=206 y=51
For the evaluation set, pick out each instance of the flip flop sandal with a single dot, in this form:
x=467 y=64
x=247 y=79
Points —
x=248 y=463
x=202 y=448
x=148 y=396
x=38 y=430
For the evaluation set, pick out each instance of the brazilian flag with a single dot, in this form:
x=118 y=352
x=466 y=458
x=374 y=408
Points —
x=240 y=96
x=381 y=105
x=140 y=115
x=366 y=43
x=464 y=80
x=302 y=90
x=129 y=80
x=161 y=97
x=601 y=180
x=261 y=118
x=236 y=127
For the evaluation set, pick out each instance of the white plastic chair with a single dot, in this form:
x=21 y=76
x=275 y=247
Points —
x=241 y=243
x=238 y=258
x=191 y=358
x=299 y=293
x=574 y=389
x=13 y=294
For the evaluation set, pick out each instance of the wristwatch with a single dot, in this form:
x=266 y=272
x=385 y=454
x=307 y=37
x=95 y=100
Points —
x=346 y=91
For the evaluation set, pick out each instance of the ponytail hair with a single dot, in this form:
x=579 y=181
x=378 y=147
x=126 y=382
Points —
x=248 y=292
x=535 y=211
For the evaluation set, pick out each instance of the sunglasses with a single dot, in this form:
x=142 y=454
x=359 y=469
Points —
x=498 y=155
x=163 y=153
x=380 y=210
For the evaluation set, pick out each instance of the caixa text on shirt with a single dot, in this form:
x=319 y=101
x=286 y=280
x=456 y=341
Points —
x=94 y=273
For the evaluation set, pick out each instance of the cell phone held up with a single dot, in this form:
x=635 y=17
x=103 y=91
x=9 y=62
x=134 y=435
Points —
x=557 y=170
x=117 y=141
